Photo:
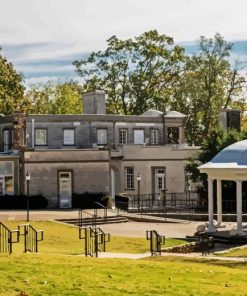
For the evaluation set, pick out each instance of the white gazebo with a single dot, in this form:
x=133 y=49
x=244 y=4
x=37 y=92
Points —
x=229 y=164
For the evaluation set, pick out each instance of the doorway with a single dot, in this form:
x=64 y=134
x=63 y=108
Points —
x=159 y=181
x=65 y=189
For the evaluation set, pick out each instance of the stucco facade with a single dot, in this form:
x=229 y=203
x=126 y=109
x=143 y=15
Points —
x=94 y=152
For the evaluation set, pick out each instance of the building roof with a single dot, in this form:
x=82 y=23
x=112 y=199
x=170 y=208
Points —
x=168 y=114
x=152 y=112
x=173 y=114
x=233 y=156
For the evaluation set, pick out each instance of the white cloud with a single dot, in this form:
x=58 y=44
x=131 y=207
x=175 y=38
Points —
x=59 y=30
x=91 y=22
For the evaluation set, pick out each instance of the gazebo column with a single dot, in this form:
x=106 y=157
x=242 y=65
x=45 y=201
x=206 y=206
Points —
x=239 y=208
x=210 y=206
x=219 y=201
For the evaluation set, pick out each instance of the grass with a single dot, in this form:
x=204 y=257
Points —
x=47 y=274
x=55 y=271
x=63 y=239
x=236 y=252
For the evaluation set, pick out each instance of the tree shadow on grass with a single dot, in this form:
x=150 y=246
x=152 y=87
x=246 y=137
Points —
x=214 y=262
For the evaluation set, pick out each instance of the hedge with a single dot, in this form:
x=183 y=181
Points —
x=20 y=202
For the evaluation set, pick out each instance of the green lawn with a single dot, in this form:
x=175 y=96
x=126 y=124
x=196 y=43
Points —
x=77 y=275
x=57 y=271
x=238 y=252
x=64 y=239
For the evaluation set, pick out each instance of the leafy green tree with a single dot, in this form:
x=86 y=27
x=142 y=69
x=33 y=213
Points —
x=11 y=88
x=207 y=85
x=61 y=98
x=137 y=74
x=40 y=99
x=219 y=140
x=67 y=99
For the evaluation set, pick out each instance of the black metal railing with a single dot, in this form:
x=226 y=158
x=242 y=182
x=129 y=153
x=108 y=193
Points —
x=7 y=238
x=158 y=203
x=85 y=218
x=185 y=203
x=156 y=241
x=101 y=207
x=95 y=240
x=230 y=205
x=102 y=239
x=31 y=237
x=205 y=243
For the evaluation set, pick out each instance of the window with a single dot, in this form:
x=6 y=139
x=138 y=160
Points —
x=123 y=136
x=173 y=135
x=6 y=140
x=6 y=178
x=6 y=168
x=69 y=137
x=129 y=178
x=154 y=137
x=101 y=136
x=41 y=137
x=9 y=185
x=138 y=136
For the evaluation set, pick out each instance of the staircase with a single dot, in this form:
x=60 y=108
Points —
x=98 y=220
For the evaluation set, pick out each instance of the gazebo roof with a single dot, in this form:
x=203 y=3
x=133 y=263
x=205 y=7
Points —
x=233 y=156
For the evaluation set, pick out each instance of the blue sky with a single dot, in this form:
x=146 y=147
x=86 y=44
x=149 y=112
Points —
x=43 y=37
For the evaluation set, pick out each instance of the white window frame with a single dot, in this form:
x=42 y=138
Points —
x=38 y=141
x=154 y=136
x=8 y=174
x=123 y=136
x=139 y=136
x=101 y=136
x=6 y=140
x=129 y=178
x=68 y=137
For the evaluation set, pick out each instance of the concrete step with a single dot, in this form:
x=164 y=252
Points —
x=99 y=220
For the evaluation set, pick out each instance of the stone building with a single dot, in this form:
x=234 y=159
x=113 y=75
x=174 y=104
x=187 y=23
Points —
x=93 y=152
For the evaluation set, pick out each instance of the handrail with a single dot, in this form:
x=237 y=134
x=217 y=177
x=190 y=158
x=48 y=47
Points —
x=31 y=237
x=156 y=241
x=103 y=238
x=103 y=207
x=87 y=215
x=7 y=238
x=95 y=240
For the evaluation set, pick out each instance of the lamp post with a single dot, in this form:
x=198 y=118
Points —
x=189 y=187
x=189 y=181
x=138 y=178
x=28 y=177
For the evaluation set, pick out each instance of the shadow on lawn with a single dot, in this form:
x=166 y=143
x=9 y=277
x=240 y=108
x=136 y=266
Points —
x=214 y=262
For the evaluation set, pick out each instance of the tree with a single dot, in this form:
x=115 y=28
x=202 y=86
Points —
x=11 y=88
x=137 y=74
x=219 y=140
x=61 y=98
x=207 y=85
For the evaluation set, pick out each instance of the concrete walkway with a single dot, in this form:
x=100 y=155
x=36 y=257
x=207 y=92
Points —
x=129 y=229
x=163 y=254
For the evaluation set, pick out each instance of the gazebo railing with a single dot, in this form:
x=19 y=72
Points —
x=229 y=206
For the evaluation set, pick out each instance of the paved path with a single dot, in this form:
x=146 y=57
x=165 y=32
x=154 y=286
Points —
x=189 y=255
x=131 y=228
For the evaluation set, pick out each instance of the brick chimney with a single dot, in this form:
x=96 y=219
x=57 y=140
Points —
x=19 y=123
x=94 y=102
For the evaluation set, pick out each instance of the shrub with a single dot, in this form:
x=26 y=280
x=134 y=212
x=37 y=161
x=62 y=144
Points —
x=88 y=200
x=20 y=202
